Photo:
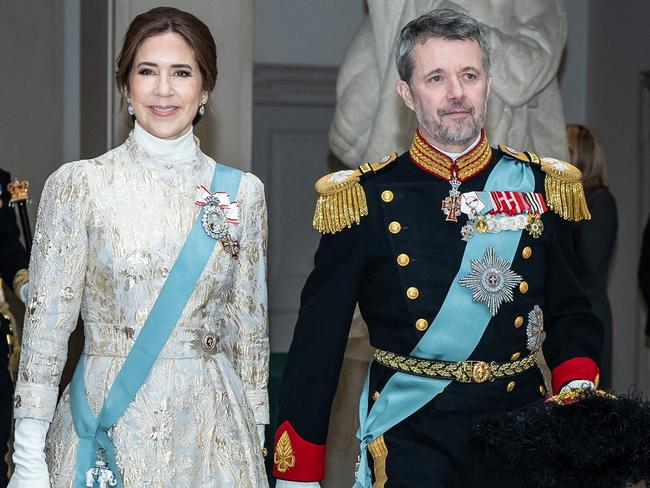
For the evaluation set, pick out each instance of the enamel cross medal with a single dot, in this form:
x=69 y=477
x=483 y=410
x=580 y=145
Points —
x=451 y=204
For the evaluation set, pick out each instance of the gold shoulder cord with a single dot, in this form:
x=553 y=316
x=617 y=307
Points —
x=342 y=201
x=565 y=194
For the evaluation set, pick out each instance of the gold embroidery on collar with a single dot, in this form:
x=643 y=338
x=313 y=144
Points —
x=433 y=161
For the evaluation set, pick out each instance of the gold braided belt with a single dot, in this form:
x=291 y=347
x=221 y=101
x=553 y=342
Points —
x=461 y=371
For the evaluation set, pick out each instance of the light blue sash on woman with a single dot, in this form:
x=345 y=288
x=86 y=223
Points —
x=452 y=336
x=173 y=297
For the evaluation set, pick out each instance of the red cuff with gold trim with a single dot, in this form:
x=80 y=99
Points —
x=296 y=459
x=574 y=369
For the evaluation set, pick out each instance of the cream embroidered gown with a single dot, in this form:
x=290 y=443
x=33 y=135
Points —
x=108 y=232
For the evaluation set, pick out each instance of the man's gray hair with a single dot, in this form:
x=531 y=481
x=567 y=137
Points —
x=441 y=23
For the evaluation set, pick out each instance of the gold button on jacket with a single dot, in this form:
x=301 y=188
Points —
x=387 y=196
x=421 y=325
x=526 y=252
x=403 y=259
x=511 y=386
x=394 y=227
x=519 y=321
x=412 y=293
x=523 y=287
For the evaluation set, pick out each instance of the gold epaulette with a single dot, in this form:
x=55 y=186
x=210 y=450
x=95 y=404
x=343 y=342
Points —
x=565 y=194
x=342 y=201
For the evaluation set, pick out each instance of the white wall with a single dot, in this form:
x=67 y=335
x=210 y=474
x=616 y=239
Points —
x=308 y=32
x=31 y=119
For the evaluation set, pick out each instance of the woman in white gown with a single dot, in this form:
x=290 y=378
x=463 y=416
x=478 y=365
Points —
x=108 y=233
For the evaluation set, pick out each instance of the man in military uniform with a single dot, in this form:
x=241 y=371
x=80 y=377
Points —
x=13 y=271
x=457 y=255
x=13 y=258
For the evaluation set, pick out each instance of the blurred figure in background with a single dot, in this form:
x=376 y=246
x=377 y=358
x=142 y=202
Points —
x=644 y=276
x=13 y=257
x=594 y=239
x=13 y=271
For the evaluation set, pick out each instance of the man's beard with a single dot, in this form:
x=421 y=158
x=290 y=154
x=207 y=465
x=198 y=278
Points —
x=459 y=132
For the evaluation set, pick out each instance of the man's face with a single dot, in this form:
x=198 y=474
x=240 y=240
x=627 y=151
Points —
x=448 y=92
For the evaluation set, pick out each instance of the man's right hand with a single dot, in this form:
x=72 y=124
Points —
x=297 y=484
x=29 y=455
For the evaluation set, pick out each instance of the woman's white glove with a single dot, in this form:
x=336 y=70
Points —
x=23 y=293
x=29 y=455
x=296 y=484
x=260 y=434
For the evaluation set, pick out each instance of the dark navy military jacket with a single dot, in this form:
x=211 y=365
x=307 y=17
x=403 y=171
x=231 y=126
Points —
x=360 y=265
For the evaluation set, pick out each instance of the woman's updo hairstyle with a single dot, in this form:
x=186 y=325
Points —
x=161 y=20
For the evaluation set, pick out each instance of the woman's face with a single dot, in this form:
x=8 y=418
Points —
x=166 y=86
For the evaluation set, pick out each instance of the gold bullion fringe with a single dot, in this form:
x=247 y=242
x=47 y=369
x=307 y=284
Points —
x=566 y=198
x=13 y=337
x=340 y=210
x=572 y=395
x=379 y=452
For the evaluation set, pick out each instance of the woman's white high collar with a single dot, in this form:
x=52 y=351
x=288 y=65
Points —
x=181 y=149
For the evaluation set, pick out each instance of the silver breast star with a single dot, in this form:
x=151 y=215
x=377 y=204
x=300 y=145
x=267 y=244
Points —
x=491 y=280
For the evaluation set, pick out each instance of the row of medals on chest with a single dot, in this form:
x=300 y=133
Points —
x=476 y=223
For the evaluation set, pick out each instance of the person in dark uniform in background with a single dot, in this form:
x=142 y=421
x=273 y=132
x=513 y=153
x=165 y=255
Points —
x=13 y=271
x=13 y=257
x=594 y=240
x=460 y=259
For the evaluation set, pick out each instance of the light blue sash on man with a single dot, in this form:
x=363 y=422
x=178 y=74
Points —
x=173 y=297
x=452 y=336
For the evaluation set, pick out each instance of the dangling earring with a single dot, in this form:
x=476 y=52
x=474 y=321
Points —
x=202 y=108
x=129 y=106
